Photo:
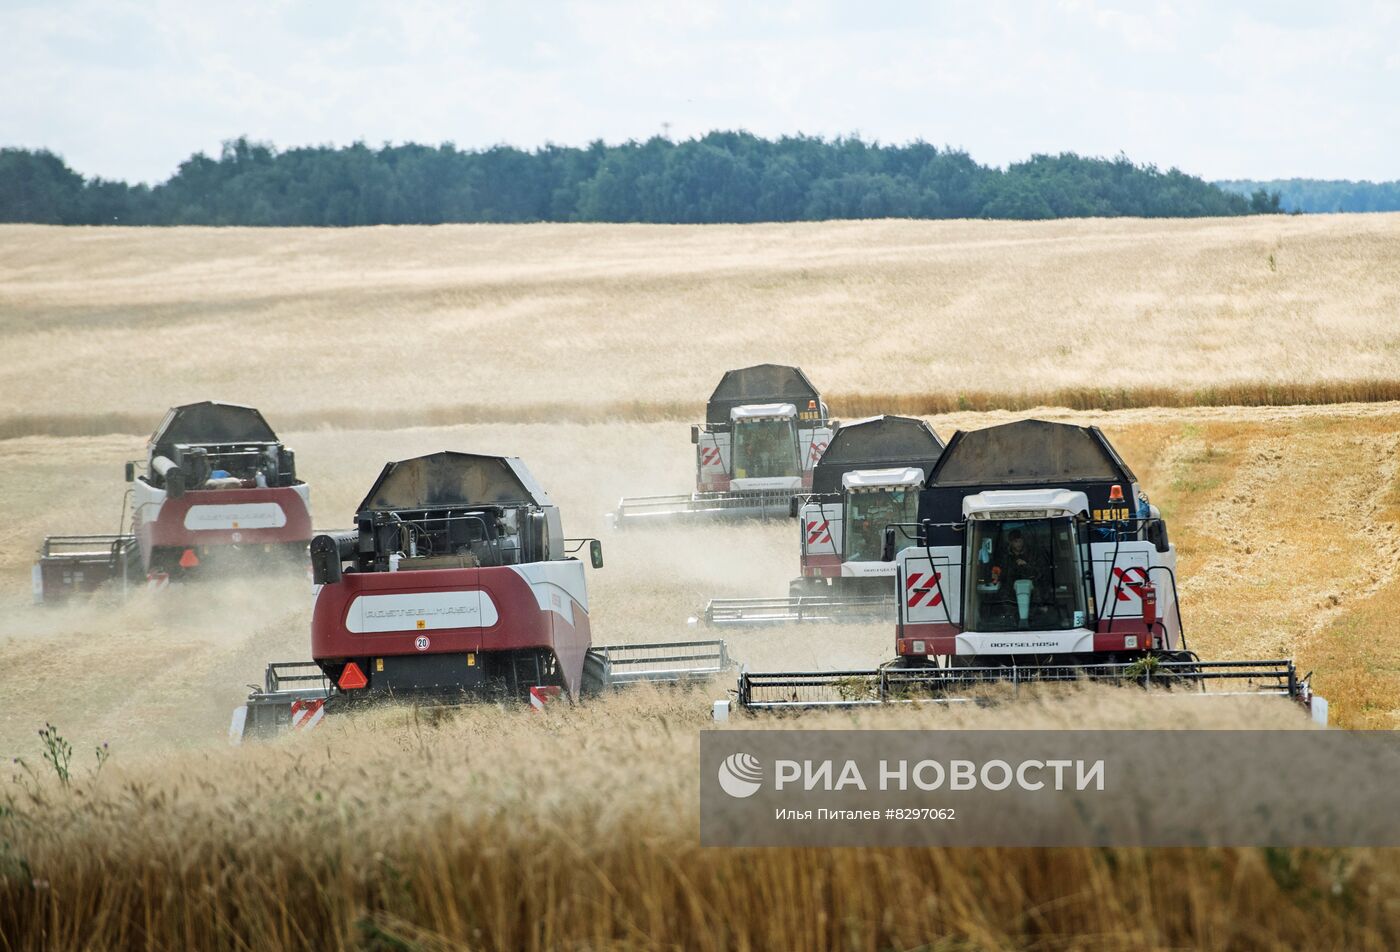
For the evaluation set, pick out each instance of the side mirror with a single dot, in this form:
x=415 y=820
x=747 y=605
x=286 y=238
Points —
x=325 y=560
x=887 y=554
x=1157 y=535
x=130 y=471
x=595 y=553
x=695 y=435
x=537 y=539
x=794 y=504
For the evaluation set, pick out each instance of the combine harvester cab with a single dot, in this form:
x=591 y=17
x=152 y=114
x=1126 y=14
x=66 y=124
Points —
x=455 y=584
x=869 y=477
x=1035 y=558
x=219 y=490
x=765 y=429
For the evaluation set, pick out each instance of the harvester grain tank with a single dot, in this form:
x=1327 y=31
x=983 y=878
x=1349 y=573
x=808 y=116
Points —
x=456 y=583
x=765 y=428
x=219 y=490
x=869 y=477
x=1036 y=557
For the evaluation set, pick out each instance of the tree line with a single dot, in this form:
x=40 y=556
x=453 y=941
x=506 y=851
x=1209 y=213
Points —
x=721 y=177
x=1319 y=195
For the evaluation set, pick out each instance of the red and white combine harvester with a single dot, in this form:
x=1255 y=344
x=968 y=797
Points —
x=219 y=492
x=765 y=428
x=1035 y=557
x=868 y=478
x=455 y=584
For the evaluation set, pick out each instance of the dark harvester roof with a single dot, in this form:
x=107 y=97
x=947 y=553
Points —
x=883 y=442
x=1029 y=453
x=211 y=422
x=452 y=479
x=764 y=383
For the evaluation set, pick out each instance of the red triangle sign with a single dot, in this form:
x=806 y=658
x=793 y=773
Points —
x=352 y=677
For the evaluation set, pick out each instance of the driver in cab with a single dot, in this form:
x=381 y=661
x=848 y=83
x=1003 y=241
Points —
x=765 y=452
x=880 y=510
x=1023 y=562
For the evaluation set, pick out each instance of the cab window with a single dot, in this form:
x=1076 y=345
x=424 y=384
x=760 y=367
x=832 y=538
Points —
x=1025 y=576
x=765 y=449
x=867 y=515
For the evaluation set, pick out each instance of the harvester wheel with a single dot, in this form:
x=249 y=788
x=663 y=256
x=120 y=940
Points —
x=595 y=675
x=1148 y=671
x=1184 y=675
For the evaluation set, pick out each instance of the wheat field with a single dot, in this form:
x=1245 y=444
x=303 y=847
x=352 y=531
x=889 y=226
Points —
x=407 y=326
x=490 y=828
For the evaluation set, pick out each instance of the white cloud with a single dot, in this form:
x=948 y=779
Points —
x=128 y=89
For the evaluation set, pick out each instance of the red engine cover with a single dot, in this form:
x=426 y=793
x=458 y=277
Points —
x=395 y=620
x=211 y=517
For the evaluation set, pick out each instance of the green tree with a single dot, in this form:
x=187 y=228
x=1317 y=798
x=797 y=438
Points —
x=720 y=177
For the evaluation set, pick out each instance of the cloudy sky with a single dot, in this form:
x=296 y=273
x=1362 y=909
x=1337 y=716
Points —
x=129 y=88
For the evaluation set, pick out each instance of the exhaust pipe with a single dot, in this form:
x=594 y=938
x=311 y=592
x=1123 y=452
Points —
x=327 y=552
x=173 y=476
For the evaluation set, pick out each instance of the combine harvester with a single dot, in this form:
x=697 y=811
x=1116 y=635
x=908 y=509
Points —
x=455 y=584
x=219 y=492
x=869 y=477
x=765 y=428
x=1036 y=558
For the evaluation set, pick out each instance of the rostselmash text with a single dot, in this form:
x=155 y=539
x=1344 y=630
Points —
x=937 y=775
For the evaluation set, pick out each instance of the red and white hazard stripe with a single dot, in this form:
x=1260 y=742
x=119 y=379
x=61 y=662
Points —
x=819 y=532
x=540 y=695
x=1133 y=578
x=307 y=714
x=709 y=456
x=818 y=448
x=156 y=581
x=923 y=587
